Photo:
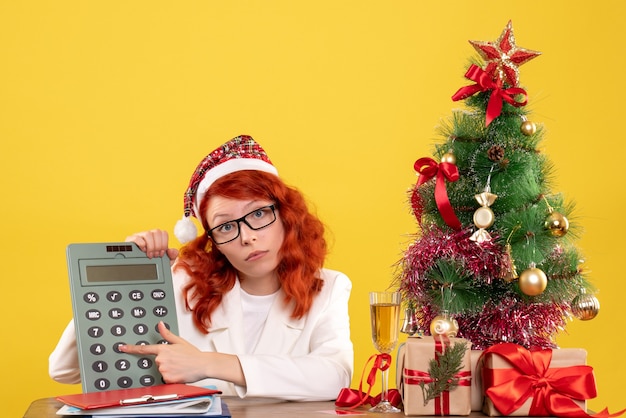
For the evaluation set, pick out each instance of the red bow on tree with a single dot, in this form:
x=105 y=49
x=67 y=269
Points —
x=427 y=169
x=485 y=82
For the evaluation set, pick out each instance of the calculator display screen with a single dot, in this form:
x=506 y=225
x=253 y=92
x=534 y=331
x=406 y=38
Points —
x=121 y=273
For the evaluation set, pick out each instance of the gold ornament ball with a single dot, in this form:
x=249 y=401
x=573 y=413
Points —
x=528 y=128
x=557 y=224
x=585 y=307
x=444 y=325
x=448 y=157
x=533 y=281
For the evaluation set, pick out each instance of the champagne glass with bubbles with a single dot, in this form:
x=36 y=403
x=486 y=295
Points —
x=385 y=319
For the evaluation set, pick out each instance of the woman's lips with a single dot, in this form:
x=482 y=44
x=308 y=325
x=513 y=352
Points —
x=255 y=255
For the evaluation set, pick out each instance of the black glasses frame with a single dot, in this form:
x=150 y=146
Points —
x=239 y=221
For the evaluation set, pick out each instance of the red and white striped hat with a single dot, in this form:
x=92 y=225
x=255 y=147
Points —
x=240 y=153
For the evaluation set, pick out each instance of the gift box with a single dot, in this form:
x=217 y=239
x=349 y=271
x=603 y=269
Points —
x=543 y=382
x=416 y=383
x=476 y=387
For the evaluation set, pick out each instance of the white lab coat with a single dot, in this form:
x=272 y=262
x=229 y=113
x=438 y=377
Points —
x=305 y=359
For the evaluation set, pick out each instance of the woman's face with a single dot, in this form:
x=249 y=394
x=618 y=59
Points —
x=254 y=253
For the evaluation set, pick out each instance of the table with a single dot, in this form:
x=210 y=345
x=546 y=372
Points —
x=239 y=408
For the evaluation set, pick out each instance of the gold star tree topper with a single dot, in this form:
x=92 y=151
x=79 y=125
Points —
x=504 y=57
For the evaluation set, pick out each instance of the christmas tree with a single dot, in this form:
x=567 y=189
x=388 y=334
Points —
x=495 y=256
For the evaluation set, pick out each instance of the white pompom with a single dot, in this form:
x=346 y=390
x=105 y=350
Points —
x=185 y=230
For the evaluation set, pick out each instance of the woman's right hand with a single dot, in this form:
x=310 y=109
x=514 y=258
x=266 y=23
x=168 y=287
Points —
x=154 y=244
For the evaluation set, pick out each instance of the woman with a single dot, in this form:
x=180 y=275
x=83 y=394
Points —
x=258 y=315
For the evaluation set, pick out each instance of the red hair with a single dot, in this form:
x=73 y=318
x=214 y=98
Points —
x=301 y=256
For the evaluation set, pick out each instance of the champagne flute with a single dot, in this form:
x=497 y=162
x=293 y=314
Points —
x=385 y=318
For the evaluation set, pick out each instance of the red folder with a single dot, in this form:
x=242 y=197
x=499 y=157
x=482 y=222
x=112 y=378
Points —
x=135 y=396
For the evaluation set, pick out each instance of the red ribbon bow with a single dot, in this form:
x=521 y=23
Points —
x=553 y=390
x=427 y=169
x=499 y=95
x=353 y=398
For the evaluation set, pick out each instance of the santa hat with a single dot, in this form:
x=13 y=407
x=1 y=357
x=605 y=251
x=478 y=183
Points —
x=240 y=153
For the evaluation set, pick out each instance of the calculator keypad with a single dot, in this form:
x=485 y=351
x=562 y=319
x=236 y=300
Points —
x=114 y=317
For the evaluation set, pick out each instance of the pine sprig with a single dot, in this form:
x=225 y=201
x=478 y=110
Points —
x=442 y=371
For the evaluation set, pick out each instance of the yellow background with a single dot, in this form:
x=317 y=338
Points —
x=106 y=107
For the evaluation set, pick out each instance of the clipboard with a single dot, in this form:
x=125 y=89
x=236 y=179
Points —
x=135 y=396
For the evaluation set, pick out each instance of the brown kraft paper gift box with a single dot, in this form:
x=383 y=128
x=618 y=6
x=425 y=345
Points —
x=477 y=389
x=413 y=365
x=561 y=358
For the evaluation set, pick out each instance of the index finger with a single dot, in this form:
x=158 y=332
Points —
x=151 y=349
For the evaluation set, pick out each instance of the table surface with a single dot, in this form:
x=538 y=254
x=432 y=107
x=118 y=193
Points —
x=239 y=408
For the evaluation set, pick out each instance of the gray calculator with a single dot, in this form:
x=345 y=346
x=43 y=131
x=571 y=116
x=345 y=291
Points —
x=119 y=295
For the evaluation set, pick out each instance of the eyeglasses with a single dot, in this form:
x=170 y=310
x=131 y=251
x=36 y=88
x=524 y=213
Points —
x=257 y=219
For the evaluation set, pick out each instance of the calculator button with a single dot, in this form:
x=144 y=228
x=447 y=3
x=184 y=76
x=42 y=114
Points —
x=138 y=312
x=100 y=366
x=140 y=329
x=144 y=363
x=136 y=295
x=114 y=296
x=102 y=384
x=116 y=347
x=124 y=382
x=118 y=330
x=91 y=297
x=158 y=294
x=93 y=314
x=97 y=349
x=160 y=311
x=94 y=332
x=147 y=380
x=116 y=313
x=122 y=364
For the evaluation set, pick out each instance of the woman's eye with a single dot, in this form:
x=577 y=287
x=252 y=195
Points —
x=226 y=228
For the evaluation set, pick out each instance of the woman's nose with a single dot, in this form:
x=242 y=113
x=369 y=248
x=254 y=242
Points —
x=246 y=233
